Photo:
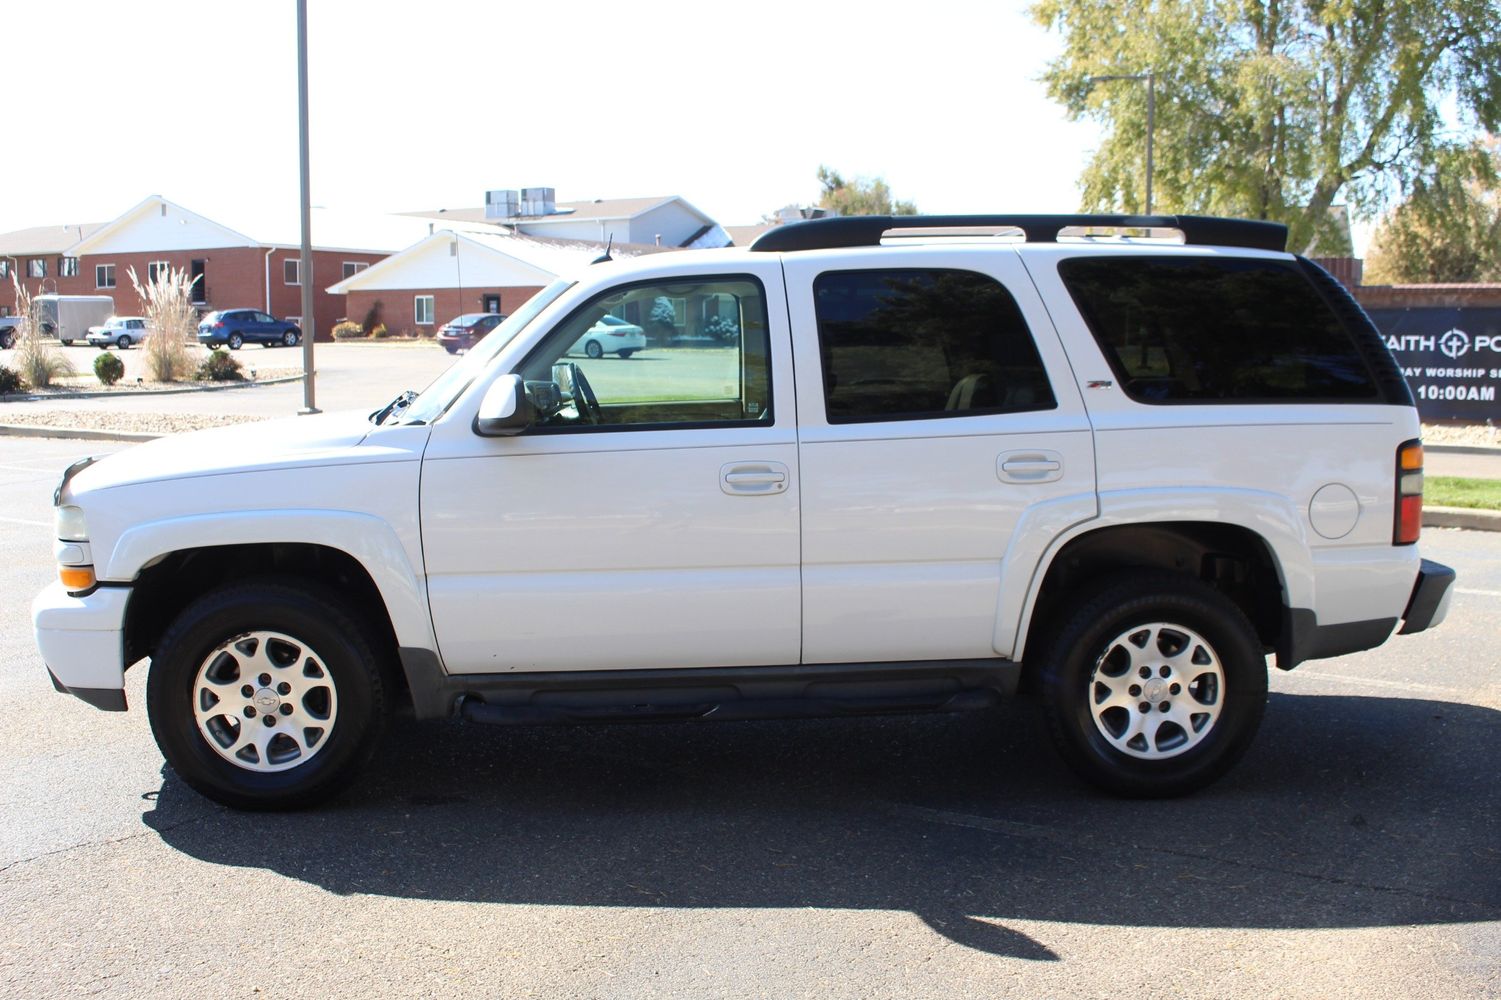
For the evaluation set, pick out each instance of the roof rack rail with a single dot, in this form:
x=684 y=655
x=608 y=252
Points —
x=867 y=230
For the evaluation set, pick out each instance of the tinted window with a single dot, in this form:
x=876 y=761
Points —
x=904 y=344
x=1221 y=329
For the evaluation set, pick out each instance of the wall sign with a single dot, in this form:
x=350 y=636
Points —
x=1451 y=357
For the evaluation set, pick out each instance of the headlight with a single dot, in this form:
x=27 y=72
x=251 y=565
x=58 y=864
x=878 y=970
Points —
x=70 y=524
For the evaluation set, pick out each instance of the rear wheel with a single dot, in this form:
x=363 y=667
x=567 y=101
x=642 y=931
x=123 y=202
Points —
x=123 y=343
x=265 y=695
x=236 y=341
x=1155 y=685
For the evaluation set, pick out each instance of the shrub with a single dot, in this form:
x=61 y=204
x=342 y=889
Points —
x=220 y=366
x=171 y=321
x=39 y=361
x=378 y=332
x=348 y=331
x=109 y=368
x=10 y=381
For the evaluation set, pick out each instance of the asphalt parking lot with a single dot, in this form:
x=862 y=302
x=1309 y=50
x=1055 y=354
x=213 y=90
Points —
x=1355 y=852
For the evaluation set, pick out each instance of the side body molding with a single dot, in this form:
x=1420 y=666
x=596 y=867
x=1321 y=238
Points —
x=370 y=540
x=1270 y=516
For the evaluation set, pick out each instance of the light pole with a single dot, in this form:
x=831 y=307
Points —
x=309 y=325
x=1150 y=78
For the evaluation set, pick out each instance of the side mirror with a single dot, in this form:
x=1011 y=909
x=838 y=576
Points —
x=505 y=410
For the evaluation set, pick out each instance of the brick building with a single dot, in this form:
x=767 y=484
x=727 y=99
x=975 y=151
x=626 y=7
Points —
x=233 y=269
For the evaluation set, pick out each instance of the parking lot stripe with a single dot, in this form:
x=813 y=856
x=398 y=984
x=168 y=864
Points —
x=20 y=520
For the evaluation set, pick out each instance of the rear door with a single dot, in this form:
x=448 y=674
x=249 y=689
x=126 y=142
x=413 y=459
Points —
x=941 y=442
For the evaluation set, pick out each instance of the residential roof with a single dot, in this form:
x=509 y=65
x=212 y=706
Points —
x=45 y=239
x=545 y=256
x=744 y=236
x=599 y=208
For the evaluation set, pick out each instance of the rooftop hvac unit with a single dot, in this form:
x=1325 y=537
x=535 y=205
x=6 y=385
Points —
x=538 y=201
x=502 y=204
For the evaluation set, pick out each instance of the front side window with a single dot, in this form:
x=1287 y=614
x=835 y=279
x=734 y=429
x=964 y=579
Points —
x=921 y=343
x=422 y=309
x=291 y=271
x=587 y=374
x=104 y=276
x=36 y=267
x=1216 y=330
x=67 y=267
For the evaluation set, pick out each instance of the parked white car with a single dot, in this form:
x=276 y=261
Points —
x=1117 y=475
x=121 y=331
x=611 y=335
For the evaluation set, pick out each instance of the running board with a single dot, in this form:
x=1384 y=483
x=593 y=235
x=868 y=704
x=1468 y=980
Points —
x=734 y=693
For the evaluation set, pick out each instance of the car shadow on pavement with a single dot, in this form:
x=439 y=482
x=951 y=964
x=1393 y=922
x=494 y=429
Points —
x=1348 y=812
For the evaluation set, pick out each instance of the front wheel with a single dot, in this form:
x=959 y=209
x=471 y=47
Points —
x=289 y=339
x=266 y=695
x=624 y=355
x=1154 y=685
x=593 y=350
x=67 y=343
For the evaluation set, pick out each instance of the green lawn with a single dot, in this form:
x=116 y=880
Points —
x=1453 y=491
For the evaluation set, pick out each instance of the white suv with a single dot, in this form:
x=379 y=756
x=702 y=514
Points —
x=942 y=459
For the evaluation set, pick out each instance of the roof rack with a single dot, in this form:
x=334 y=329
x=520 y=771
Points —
x=867 y=230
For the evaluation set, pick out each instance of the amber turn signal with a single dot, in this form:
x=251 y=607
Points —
x=76 y=578
x=1409 y=519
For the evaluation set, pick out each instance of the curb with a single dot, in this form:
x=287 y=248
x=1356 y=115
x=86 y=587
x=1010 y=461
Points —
x=73 y=433
x=1464 y=449
x=1462 y=517
x=248 y=383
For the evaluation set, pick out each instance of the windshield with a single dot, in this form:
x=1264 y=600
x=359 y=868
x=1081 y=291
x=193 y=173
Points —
x=433 y=400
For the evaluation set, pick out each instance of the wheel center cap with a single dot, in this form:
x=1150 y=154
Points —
x=266 y=700
x=1156 y=689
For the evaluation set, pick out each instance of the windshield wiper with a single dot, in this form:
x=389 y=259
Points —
x=394 y=407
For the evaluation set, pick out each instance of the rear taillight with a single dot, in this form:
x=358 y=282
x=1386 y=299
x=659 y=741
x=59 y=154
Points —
x=1409 y=519
x=219 y=325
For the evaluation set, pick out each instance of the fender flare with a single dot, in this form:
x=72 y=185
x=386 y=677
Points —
x=1269 y=516
x=367 y=539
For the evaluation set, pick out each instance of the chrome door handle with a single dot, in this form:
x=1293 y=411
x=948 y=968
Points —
x=753 y=478
x=1030 y=467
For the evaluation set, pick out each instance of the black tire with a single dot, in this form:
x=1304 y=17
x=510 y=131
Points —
x=593 y=350
x=7 y=340
x=67 y=343
x=624 y=355
x=236 y=341
x=327 y=631
x=1071 y=689
x=123 y=343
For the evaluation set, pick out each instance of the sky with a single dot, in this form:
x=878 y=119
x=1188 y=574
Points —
x=428 y=105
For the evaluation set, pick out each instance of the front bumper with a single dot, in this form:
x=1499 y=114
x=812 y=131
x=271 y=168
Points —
x=1429 y=604
x=82 y=641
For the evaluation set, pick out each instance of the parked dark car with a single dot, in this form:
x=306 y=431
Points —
x=463 y=332
x=236 y=327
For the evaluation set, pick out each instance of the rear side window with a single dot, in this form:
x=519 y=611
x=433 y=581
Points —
x=1216 y=330
x=922 y=343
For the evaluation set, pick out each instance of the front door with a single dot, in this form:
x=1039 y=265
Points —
x=930 y=429
x=649 y=519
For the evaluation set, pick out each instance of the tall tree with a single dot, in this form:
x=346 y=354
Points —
x=1448 y=229
x=858 y=196
x=1272 y=109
